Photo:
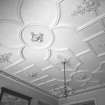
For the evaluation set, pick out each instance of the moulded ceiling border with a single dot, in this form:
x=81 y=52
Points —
x=24 y=83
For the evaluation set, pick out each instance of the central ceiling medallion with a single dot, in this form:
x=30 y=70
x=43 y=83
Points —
x=37 y=37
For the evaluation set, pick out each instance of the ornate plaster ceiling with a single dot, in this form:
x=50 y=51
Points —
x=36 y=35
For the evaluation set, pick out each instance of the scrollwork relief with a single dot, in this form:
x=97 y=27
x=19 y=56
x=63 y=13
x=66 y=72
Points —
x=37 y=37
x=87 y=6
x=5 y=58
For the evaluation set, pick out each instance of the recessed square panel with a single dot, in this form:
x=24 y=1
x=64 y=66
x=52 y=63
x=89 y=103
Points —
x=41 y=79
x=89 y=62
x=68 y=38
x=98 y=44
x=18 y=65
x=29 y=73
x=51 y=85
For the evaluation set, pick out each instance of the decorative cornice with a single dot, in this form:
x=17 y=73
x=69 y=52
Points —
x=92 y=89
x=24 y=83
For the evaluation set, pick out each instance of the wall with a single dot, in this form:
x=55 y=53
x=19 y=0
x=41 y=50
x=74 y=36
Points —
x=98 y=95
x=16 y=86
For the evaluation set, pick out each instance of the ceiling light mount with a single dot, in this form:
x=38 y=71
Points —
x=37 y=36
x=66 y=91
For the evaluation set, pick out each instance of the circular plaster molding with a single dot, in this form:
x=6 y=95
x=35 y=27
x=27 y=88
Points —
x=58 y=16
x=20 y=18
x=81 y=76
x=37 y=37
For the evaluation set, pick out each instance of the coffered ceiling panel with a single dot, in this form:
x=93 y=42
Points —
x=45 y=12
x=38 y=36
x=41 y=79
x=98 y=43
x=89 y=59
x=70 y=37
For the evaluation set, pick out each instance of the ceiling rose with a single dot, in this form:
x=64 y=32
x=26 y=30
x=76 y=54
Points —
x=38 y=37
x=81 y=76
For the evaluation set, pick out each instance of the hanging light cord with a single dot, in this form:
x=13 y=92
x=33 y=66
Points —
x=65 y=82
